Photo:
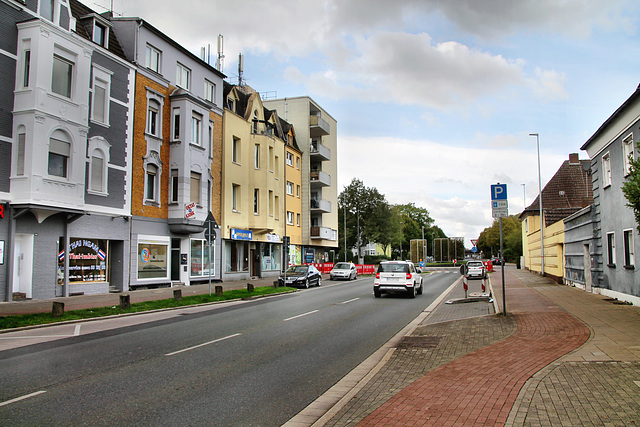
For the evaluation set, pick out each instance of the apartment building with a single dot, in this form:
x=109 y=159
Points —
x=176 y=159
x=65 y=139
x=316 y=133
x=262 y=195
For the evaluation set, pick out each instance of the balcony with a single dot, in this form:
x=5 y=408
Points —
x=320 y=152
x=320 y=179
x=318 y=126
x=324 y=233
x=320 y=205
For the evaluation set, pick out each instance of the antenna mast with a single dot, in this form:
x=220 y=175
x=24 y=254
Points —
x=240 y=70
x=220 y=61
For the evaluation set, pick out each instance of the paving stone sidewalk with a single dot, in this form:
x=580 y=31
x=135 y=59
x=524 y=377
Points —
x=560 y=357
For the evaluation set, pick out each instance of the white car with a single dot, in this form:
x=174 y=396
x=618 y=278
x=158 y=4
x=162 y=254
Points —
x=475 y=269
x=397 y=277
x=343 y=270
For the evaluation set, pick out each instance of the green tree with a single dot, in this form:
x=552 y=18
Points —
x=489 y=239
x=631 y=188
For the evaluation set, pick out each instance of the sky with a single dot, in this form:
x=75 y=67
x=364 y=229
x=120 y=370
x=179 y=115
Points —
x=435 y=100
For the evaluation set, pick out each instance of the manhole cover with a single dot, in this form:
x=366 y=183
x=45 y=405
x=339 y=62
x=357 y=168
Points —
x=420 y=342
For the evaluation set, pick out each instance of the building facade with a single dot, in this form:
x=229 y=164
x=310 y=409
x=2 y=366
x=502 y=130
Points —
x=261 y=188
x=615 y=247
x=316 y=133
x=176 y=159
x=68 y=90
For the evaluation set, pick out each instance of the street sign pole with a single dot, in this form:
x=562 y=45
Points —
x=499 y=209
x=504 y=295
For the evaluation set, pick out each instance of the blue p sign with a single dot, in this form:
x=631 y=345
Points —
x=499 y=192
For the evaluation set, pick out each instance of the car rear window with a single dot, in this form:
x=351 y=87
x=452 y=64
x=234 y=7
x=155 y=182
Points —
x=342 y=266
x=474 y=264
x=393 y=268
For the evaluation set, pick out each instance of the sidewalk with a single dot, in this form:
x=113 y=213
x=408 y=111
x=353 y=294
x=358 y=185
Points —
x=105 y=300
x=560 y=357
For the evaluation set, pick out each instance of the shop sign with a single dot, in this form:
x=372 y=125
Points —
x=273 y=238
x=237 y=234
x=190 y=210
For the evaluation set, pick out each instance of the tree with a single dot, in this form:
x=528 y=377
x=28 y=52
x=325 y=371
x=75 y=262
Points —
x=489 y=239
x=631 y=187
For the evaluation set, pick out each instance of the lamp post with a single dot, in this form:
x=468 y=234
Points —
x=540 y=205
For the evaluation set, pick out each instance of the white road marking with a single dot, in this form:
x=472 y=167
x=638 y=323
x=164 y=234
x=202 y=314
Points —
x=17 y=399
x=201 y=345
x=300 y=315
x=77 y=330
x=351 y=300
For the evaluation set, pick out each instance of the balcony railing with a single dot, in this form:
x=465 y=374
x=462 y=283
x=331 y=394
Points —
x=321 y=205
x=324 y=233
x=318 y=126
x=320 y=178
x=320 y=152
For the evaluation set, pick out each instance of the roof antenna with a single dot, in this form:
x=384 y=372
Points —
x=240 y=70
x=220 y=60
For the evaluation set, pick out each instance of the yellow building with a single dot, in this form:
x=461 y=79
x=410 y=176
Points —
x=258 y=172
x=567 y=192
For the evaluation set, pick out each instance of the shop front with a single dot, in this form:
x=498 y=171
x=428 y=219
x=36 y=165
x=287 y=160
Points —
x=247 y=256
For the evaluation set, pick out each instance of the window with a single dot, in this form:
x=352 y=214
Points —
x=256 y=156
x=154 y=58
x=100 y=97
x=21 y=146
x=270 y=203
x=297 y=191
x=289 y=218
x=270 y=257
x=97 y=172
x=628 y=153
x=290 y=159
x=231 y=104
x=176 y=124
x=297 y=162
x=290 y=188
x=46 y=9
x=255 y=122
x=606 y=170
x=276 y=203
x=183 y=76
x=209 y=91
x=611 y=249
x=235 y=198
x=152 y=176
x=629 y=258
x=61 y=78
x=174 y=186
x=298 y=220
x=276 y=166
x=152 y=259
x=256 y=201
x=100 y=34
x=153 y=125
x=196 y=129
x=237 y=256
x=27 y=68
x=195 y=188
x=200 y=258
x=235 y=150
x=59 y=152
x=271 y=159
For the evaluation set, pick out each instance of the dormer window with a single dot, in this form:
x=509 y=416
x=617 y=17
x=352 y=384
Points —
x=100 y=34
x=46 y=9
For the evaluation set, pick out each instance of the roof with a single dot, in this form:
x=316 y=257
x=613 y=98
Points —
x=80 y=11
x=567 y=192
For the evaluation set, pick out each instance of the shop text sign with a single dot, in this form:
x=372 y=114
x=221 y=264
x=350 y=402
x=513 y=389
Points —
x=237 y=234
x=190 y=210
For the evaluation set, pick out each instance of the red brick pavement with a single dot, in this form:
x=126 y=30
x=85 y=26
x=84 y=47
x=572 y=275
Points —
x=481 y=387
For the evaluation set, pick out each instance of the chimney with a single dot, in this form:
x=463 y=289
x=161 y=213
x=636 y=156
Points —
x=574 y=159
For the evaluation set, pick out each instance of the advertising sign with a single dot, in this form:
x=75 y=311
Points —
x=237 y=234
x=190 y=210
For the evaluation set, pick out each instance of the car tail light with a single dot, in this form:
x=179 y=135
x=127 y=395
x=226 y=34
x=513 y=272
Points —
x=408 y=276
x=377 y=275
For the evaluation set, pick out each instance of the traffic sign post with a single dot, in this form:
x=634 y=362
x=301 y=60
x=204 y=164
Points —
x=500 y=209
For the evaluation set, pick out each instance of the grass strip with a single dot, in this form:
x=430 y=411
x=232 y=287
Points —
x=8 y=322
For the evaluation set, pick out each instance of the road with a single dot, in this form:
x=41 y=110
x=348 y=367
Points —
x=254 y=363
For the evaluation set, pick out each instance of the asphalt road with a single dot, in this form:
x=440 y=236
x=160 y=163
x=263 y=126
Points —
x=250 y=364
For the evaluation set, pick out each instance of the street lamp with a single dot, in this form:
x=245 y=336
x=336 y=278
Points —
x=540 y=204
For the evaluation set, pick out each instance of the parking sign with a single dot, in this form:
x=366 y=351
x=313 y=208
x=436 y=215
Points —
x=499 y=192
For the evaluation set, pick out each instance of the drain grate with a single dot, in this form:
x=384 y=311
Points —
x=420 y=342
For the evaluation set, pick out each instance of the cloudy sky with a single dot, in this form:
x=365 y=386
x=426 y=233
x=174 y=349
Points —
x=434 y=99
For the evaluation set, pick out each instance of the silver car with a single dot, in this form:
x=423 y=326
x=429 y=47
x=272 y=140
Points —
x=343 y=270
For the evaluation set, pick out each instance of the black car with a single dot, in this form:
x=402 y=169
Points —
x=300 y=276
x=497 y=261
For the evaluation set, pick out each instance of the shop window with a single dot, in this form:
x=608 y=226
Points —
x=200 y=266
x=152 y=260
x=59 y=152
x=237 y=256
x=270 y=257
x=87 y=260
